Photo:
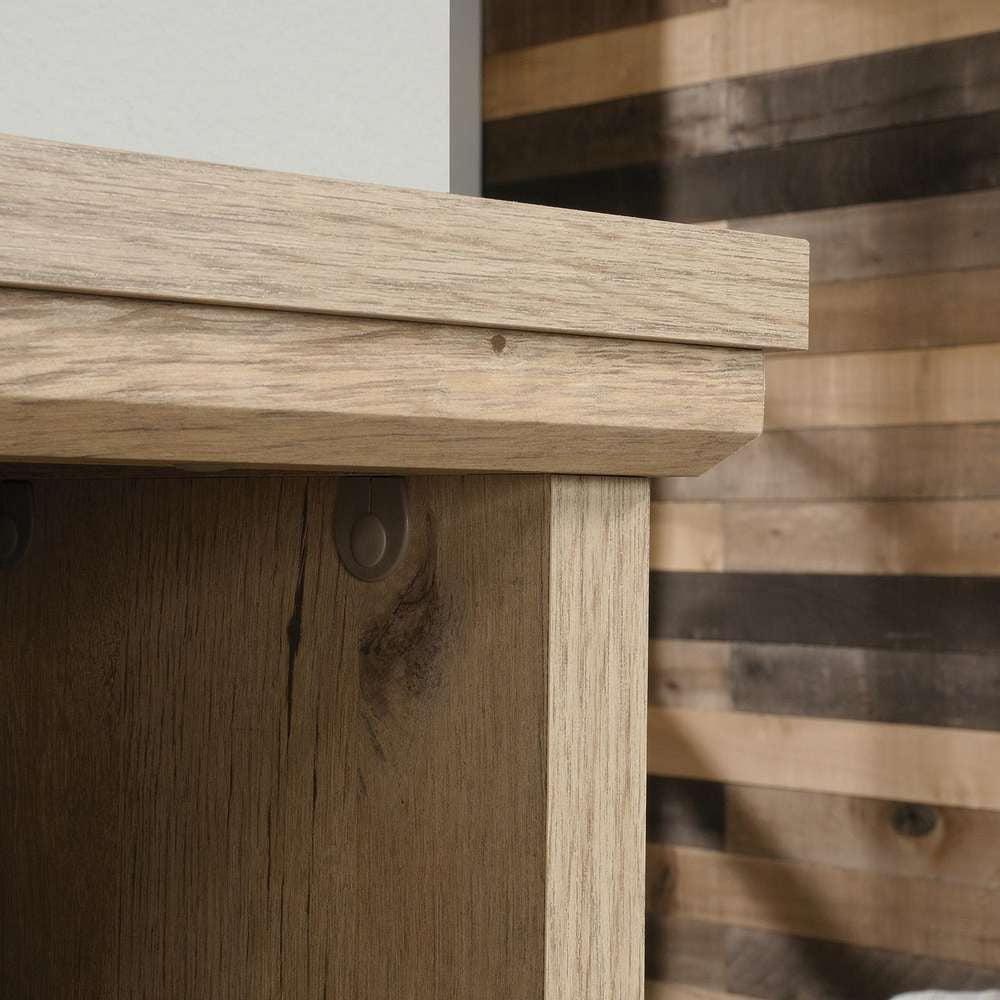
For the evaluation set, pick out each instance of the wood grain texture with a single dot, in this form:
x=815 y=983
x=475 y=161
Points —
x=516 y=24
x=95 y=379
x=956 y=922
x=947 y=385
x=932 y=82
x=685 y=673
x=939 y=537
x=929 y=613
x=872 y=94
x=679 y=811
x=660 y=127
x=915 y=310
x=91 y=220
x=231 y=767
x=678 y=991
x=906 y=161
x=949 y=461
x=949 y=767
x=672 y=52
x=916 y=687
x=768 y=35
x=952 y=232
x=685 y=951
x=865 y=834
x=781 y=967
x=596 y=763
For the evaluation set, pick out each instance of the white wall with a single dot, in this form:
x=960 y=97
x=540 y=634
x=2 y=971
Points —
x=357 y=89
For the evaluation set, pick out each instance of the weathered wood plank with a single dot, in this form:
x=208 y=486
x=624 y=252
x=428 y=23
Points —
x=945 y=385
x=90 y=379
x=768 y=35
x=914 y=310
x=80 y=219
x=679 y=811
x=907 y=161
x=779 y=967
x=925 y=916
x=678 y=991
x=659 y=55
x=935 y=537
x=516 y=24
x=956 y=461
x=874 y=685
x=685 y=951
x=950 y=767
x=689 y=674
x=867 y=834
x=949 y=233
x=929 y=613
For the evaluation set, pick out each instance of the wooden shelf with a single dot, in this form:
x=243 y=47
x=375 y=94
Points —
x=387 y=329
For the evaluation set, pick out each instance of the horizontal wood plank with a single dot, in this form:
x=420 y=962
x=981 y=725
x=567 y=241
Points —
x=924 y=613
x=80 y=219
x=894 y=838
x=769 y=965
x=685 y=951
x=948 y=767
x=679 y=811
x=940 y=309
x=686 y=673
x=926 y=916
x=952 y=232
x=923 y=83
x=932 y=461
x=95 y=379
x=947 y=385
x=659 y=55
x=940 y=537
x=768 y=35
x=906 y=161
x=678 y=991
x=515 y=24
x=915 y=687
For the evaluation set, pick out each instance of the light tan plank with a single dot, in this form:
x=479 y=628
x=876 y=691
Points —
x=954 y=767
x=916 y=310
x=867 y=834
x=944 y=538
x=768 y=35
x=91 y=220
x=687 y=673
x=687 y=536
x=922 y=916
x=658 y=55
x=94 y=379
x=598 y=584
x=678 y=991
x=948 y=385
x=948 y=233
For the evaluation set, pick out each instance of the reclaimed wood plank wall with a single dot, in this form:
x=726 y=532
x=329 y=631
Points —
x=824 y=810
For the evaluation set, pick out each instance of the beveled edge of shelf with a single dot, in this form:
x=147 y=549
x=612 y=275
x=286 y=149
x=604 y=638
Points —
x=96 y=221
x=100 y=380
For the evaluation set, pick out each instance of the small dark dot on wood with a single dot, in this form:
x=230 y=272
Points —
x=498 y=343
x=912 y=820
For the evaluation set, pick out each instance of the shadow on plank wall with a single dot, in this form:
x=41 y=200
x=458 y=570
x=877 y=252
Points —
x=845 y=568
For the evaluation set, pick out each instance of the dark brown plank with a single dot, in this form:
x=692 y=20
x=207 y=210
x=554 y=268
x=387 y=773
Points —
x=958 y=461
x=930 y=689
x=777 y=967
x=516 y=24
x=929 y=613
x=662 y=127
x=902 y=87
x=685 y=951
x=683 y=811
x=914 y=161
